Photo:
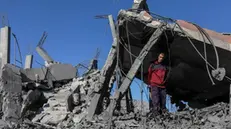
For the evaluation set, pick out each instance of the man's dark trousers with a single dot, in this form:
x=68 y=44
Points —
x=158 y=98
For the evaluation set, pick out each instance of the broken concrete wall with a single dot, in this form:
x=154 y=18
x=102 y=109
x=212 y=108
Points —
x=11 y=87
x=29 y=75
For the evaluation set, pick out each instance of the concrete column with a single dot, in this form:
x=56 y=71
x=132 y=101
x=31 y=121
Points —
x=5 y=45
x=28 y=61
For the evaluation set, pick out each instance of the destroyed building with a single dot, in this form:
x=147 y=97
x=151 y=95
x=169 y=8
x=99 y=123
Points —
x=54 y=96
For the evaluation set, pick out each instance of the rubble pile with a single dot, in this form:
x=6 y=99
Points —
x=66 y=107
x=215 y=117
x=26 y=104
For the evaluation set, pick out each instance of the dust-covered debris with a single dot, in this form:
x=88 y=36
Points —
x=67 y=107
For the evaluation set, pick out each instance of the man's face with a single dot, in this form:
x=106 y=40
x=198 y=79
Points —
x=160 y=57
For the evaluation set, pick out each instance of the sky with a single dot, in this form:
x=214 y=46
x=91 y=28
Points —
x=74 y=34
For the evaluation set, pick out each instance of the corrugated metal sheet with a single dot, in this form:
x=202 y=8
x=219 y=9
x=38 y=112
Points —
x=220 y=36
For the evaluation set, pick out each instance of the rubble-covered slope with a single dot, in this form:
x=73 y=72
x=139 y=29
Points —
x=66 y=108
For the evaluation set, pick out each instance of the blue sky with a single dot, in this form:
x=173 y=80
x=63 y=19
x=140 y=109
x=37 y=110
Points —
x=74 y=34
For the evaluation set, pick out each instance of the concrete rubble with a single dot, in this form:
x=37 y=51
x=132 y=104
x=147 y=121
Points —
x=66 y=107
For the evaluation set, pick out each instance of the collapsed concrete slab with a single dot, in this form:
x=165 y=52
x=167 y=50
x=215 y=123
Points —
x=188 y=70
x=58 y=72
x=61 y=72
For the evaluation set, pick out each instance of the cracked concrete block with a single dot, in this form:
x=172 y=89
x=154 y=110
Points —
x=214 y=119
x=3 y=124
x=69 y=104
x=62 y=71
x=78 y=118
x=77 y=110
x=48 y=95
x=54 y=118
x=76 y=84
x=38 y=117
x=76 y=99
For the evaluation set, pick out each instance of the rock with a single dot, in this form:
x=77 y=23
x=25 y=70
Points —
x=75 y=84
x=77 y=110
x=79 y=117
x=3 y=124
x=76 y=99
x=214 y=119
x=69 y=104
x=54 y=118
x=48 y=94
x=38 y=117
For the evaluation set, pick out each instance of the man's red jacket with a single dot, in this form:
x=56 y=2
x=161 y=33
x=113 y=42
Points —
x=156 y=74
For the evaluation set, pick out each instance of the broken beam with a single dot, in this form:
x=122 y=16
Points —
x=44 y=54
x=134 y=68
x=28 y=62
x=106 y=73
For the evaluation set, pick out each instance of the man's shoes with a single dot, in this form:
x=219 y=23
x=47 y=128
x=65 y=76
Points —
x=153 y=114
x=164 y=111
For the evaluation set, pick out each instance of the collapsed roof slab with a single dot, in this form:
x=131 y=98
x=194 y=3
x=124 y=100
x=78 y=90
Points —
x=188 y=68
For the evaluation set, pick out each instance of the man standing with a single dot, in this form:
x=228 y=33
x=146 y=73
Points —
x=156 y=79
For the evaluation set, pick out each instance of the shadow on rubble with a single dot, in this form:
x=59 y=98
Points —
x=32 y=103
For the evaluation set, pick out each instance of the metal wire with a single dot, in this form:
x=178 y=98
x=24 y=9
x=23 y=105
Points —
x=129 y=45
x=205 y=54
x=19 y=51
x=127 y=49
x=210 y=40
x=198 y=50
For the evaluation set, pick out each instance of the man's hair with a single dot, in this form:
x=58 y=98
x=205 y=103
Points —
x=157 y=57
x=162 y=53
